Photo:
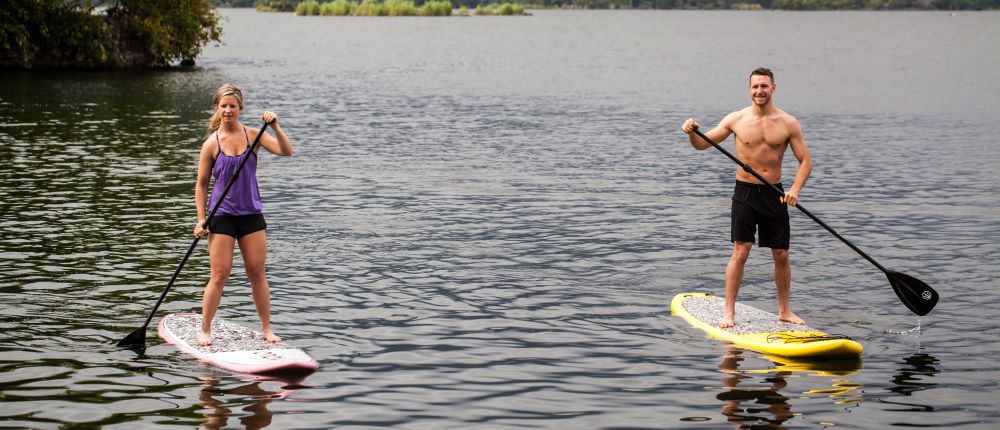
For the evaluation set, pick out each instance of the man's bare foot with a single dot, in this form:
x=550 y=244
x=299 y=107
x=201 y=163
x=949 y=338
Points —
x=270 y=337
x=727 y=321
x=204 y=339
x=790 y=318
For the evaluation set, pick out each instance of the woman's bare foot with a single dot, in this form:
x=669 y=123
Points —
x=727 y=321
x=790 y=318
x=270 y=337
x=204 y=339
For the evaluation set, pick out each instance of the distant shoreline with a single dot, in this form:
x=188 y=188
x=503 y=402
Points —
x=751 y=5
x=527 y=8
x=785 y=5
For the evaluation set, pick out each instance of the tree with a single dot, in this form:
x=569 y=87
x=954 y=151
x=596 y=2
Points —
x=110 y=34
x=169 y=30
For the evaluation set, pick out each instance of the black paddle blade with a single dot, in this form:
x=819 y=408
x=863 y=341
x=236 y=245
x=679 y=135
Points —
x=916 y=295
x=135 y=340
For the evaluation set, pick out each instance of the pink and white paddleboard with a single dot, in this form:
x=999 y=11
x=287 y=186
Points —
x=234 y=347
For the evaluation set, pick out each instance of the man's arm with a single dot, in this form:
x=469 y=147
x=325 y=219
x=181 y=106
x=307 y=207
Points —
x=801 y=151
x=718 y=134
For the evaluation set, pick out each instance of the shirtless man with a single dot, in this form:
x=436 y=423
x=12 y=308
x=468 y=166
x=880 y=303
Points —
x=763 y=132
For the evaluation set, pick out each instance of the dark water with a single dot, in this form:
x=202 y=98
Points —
x=486 y=218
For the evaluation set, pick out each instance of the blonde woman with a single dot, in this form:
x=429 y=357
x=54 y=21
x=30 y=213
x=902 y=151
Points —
x=240 y=218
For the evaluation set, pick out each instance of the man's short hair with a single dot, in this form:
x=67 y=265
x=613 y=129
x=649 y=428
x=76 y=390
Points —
x=763 y=71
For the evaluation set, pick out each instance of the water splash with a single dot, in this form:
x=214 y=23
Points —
x=916 y=331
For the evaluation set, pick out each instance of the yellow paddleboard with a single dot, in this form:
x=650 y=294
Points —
x=760 y=331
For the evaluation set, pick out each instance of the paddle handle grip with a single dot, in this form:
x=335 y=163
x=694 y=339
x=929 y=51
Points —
x=760 y=178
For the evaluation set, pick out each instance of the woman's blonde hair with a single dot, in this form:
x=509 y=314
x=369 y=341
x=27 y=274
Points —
x=225 y=90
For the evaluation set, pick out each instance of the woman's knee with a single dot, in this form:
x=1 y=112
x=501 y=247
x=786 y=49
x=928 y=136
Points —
x=256 y=273
x=219 y=278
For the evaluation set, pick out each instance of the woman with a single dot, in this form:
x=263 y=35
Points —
x=240 y=217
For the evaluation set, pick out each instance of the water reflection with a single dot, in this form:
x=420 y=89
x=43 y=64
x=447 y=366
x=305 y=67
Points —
x=774 y=408
x=250 y=403
x=910 y=378
x=842 y=391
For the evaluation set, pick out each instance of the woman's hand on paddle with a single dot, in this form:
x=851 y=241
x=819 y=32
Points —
x=269 y=117
x=199 y=230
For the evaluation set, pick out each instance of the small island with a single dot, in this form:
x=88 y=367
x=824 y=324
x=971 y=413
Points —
x=401 y=8
x=472 y=5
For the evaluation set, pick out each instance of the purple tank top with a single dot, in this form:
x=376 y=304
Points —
x=244 y=197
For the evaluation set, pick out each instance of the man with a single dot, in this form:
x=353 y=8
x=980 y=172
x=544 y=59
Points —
x=763 y=132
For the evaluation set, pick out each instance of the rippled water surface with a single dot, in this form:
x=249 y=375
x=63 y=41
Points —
x=486 y=218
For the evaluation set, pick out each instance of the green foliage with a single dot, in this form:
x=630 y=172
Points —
x=277 y=5
x=130 y=33
x=307 y=8
x=499 y=9
x=400 y=8
x=234 y=3
x=338 y=8
x=373 y=8
x=436 y=8
x=54 y=34
x=170 y=29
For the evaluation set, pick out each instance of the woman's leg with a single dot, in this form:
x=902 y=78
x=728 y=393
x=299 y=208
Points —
x=220 y=256
x=254 y=249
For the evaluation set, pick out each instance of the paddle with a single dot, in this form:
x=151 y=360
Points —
x=916 y=295
x=137 y=339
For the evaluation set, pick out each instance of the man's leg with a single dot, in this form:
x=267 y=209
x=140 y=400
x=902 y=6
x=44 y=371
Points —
x=783 y=282
x=734 y=276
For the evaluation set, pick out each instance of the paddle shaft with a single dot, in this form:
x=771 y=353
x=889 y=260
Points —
x=797 y=205
x=208 y=220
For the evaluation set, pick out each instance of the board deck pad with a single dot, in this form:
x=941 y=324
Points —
x=760 y=330
x=748 y=318
x=234 y=347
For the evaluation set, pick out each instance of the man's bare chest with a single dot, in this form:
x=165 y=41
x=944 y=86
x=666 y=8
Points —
x=762 y=134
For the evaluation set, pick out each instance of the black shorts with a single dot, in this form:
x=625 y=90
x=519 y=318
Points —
x=758 y=206
x=237 y=226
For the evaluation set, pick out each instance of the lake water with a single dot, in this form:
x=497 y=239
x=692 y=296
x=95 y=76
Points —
x=486 y=218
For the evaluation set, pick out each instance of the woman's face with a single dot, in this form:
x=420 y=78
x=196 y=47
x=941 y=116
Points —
x=229 y=107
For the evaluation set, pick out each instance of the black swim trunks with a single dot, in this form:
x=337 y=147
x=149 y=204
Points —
x=237 y=226
x=759 y=206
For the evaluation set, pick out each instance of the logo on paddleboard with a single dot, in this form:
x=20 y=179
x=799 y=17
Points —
x=926 y=295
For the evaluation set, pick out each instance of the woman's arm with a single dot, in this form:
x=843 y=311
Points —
x=206 y=159
x=279 y=144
